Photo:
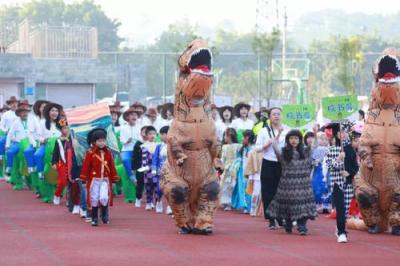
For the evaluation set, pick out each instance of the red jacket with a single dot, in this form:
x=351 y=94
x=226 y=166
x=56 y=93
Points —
x=92 y=165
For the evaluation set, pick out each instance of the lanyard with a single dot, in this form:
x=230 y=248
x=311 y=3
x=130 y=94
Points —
x=269 y=131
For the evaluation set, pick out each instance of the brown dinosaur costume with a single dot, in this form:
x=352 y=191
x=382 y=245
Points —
x=378 y=181
x=189 y=180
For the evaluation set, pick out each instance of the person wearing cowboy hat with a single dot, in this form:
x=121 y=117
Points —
x=140 y=108
x=167 y=113
x=47 y=129
x=130 y=133
x=262 y=117
x=6 y=121
x=226 y=115
x=98 y=171
x=154 y=119
x=22 y=128
x=242 y=121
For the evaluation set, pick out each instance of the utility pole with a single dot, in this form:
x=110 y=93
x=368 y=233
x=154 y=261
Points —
x=284 y=43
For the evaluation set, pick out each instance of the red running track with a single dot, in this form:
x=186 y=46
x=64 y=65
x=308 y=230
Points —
x=33 y=233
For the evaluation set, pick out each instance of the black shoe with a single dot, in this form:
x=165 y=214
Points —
x=205 y=232
x=281 y=223
x=95 y=216
x=288 y=230
x=272 y=225
x=104 y=215
x=374 y=229
x=302 y=230
x=185 y=231
x=396 y=230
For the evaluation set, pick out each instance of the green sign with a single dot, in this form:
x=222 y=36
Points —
x=340 y=107
x=299 y=115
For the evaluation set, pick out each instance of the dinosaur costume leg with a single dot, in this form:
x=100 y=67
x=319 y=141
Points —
x=192 y=191
x=176 y=191
x=207 y=205
x=367 y=198
x=394 y=212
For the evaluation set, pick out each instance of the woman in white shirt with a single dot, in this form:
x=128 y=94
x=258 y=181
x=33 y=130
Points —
x=129 y=134
x=22 y=128
x=167 y=113
x=271 y=168
x=242 y=121
x=47 y=129
x=226 y=114
x=6 y=120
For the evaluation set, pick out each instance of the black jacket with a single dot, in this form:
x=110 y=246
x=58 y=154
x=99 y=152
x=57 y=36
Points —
x=350 y=162
x=137 y=156
x=76 y=170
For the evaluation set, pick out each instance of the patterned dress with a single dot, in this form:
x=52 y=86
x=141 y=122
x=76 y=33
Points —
x=230 y=153
x=294 y=199
x=335 y=167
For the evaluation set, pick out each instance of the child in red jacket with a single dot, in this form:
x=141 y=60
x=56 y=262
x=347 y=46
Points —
x=98 y=171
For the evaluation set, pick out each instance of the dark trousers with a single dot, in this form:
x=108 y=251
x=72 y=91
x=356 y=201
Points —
x=338 y=200
x=140 y=185
x=270 y=176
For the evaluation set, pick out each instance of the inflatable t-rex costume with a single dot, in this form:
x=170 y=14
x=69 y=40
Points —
x=189 y=180
x=378 y=181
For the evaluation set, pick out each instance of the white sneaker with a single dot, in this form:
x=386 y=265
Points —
x=31 y=170
x=76 y=209
x=148 y=207
x=152 y=205
x=342 y=238
x=82 y=213
x=228 y=208
x=138 y=203
x=56 y=200
x=159 y=207
x=168 y=211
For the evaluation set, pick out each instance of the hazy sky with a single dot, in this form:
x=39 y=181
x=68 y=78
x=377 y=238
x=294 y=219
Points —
x=143 y=20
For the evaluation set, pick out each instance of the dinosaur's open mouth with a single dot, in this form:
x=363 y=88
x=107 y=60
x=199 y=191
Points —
x=200 y=61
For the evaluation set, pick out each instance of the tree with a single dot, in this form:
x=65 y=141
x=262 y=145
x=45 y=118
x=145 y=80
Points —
x=264 y=44
x=57 y=13
x=349 y=60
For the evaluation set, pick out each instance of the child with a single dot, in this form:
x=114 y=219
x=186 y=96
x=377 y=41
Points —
x=342 y=192
x=294 y=199
x=240 y=199
x=137 y=176
x=159 y=158
x=99 y=172
x=230 y=150
x=64 y=161
x=309 y=138
x=150 y=181
x=318 y=177
x=253 y=172
x=347 y=162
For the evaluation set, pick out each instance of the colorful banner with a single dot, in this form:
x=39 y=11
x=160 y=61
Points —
x=82 y=120
x=299 y=116
x=339 y=108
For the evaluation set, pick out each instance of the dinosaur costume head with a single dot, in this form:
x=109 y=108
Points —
x=195 y=77
x=387 y=93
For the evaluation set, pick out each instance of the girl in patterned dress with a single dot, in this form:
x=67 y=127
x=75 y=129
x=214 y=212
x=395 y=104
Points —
x=294 y=199
x=230 y=151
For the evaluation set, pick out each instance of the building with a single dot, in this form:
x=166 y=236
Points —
x=59 y=64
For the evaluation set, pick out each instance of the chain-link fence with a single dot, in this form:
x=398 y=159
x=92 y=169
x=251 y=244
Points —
x=151 y=77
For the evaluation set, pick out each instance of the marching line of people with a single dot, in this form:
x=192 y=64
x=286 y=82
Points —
x=285 y=175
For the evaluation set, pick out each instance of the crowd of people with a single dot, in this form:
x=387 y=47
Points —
x=288 y=176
